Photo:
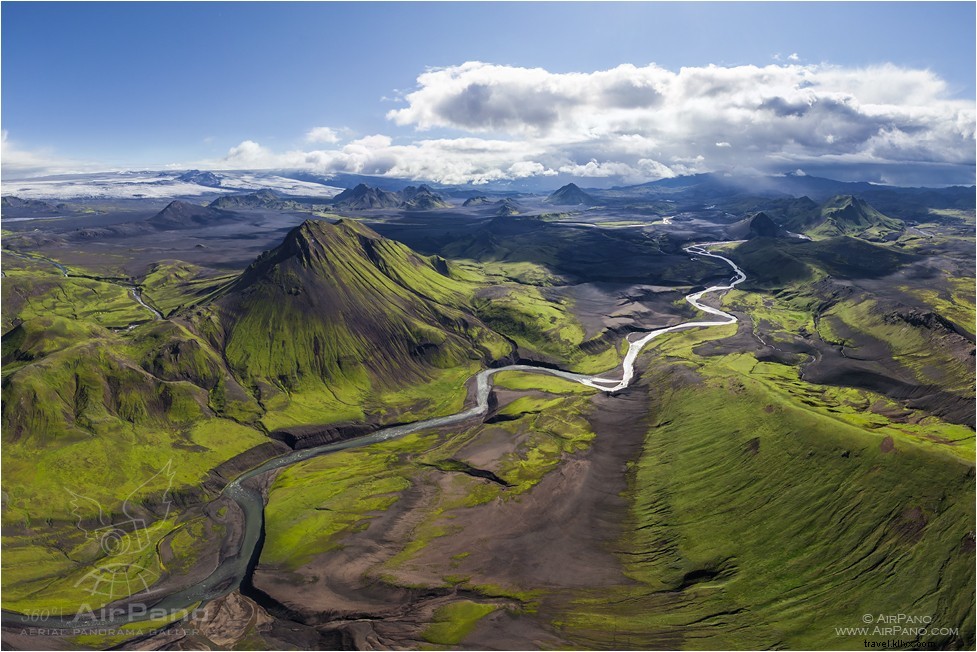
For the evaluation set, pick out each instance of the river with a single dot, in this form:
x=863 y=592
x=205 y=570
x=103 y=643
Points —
x=233 y=570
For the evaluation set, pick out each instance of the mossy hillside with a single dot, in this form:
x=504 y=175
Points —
x=919 y=349
x=773 y=264
x=173 y=284
x=521 y=380
x=31 y=291
x=454 y=621
x=776 y=524
x=63 y=573
x=309 y=317
x=848 y=215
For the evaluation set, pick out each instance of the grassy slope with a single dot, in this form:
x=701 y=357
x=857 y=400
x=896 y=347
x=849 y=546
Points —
x=98 y=412
x=804 y=506
x=778 y=523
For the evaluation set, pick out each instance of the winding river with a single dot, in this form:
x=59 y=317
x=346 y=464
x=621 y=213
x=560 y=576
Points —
x=235 y=569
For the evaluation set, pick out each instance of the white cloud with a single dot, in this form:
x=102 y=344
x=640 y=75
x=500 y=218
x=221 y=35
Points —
x=643 y=123
x=752 y=116
x=793 y=56
x=322 y=135
x=23 y=163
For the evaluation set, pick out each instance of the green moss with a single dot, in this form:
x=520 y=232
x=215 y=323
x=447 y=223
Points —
x=312 y=504
x=519 y=380
x=786 y=522
x=454 y=621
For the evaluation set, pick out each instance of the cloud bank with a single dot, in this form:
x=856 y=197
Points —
x=643 y=123
x=479 y=122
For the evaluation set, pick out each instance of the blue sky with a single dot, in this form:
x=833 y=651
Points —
x=156 y=84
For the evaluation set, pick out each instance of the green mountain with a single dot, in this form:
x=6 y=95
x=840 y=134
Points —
x=849 y=215
x=316 y=310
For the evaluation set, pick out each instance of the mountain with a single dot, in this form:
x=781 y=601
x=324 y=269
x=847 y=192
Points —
x=507 y=207
x=756 y=226
x=422 y=199
x=183 y=215
x=16 y=207
x=363 y=197
x=849 y=215
x=477 y=201
x=264 y=198
x=208 y=179
x=318 y=308
x=570 y=195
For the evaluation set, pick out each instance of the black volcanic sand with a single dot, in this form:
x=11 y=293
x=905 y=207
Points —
x=554 y=537
x=125 y=243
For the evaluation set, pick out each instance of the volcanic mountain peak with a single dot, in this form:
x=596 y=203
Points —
x=477 y=201
x=758 y=225
x=363 y=196
x=332 y=295
x=847 y=214
x=181 y=215
x=508 y=207
x=570 y=194
x=422 y=199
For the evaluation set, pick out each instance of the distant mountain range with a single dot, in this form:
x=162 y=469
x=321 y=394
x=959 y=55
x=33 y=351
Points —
x=840 y=215
x=364 y=197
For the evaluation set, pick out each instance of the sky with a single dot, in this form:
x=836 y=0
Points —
x=477 y=92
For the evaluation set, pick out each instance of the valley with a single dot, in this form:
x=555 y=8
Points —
x=678 y=415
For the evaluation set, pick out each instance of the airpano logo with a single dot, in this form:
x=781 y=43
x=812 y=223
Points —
x=902 y=631
x=123 y=541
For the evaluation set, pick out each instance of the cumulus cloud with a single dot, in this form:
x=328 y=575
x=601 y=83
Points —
x=322 y=135
x=752 y=116
x=641 y=123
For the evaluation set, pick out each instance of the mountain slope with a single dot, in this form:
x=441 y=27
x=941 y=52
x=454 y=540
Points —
x=340 y=306
x=183 y=215
x=849 y=215
x=755 y=226
x=422 y=199
x=570 y=195
x=363 y=197
x=264 y=198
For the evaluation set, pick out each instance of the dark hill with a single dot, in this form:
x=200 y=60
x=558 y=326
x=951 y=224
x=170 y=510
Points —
x=183 y=215
x=320 y=306
x=422 y=199
x=477 y=201
x=756 y=226
x=12 y=206
x=363 y=197
x=264 y=198
x=507 y=207
x=571 y=195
